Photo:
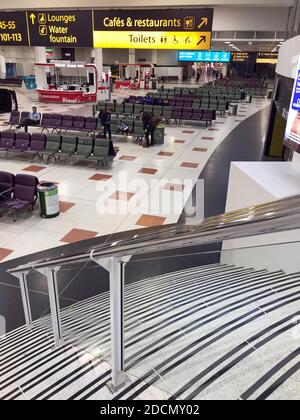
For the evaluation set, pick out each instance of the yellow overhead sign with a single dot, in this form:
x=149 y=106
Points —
x=153 y=40
x=267 y=61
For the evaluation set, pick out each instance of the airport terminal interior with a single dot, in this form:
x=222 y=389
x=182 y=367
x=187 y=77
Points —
x=150 y=200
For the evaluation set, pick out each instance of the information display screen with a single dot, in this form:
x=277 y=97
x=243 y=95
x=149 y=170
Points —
x=244 y=57
x=60 y=28
x=205 y=56
x=13 y=28
x=292 y=135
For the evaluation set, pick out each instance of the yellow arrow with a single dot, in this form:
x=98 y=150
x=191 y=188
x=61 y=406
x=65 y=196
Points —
x=204 y=21
x=32 y=17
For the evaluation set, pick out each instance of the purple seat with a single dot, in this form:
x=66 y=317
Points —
x=208 y=116
x=46 y=120
x=7 y=140
x=24 y=115
x=37 y=145
x=22 y=141
x=172 y=101
x=14 y=119
x=55 y=122
x=187 y=113
x=179 y=103
x=79 y=122
x=90 y=125
x=7 y=183
x=67 y=122
x=140 y=100
x=188 y=103
x=197 y=114
x=132 y=99
x=176 y=113
x=24 y=194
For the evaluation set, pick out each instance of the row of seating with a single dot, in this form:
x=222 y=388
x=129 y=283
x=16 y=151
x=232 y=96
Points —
x=17 y=192
x=55 y=146
x=59 y=122
x=166 y=112
x=11 y=82
x=188 y=99
x=213 y=90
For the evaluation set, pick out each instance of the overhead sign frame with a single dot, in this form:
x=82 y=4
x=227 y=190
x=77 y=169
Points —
x=176 y=29
x=153 y=29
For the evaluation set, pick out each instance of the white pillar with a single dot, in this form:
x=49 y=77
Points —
x=40 y=72
x=98 y=55
x=154 y=56
x=131 y=60
x=224 y=69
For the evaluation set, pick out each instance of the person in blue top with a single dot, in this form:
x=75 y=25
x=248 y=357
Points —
x=33 y=119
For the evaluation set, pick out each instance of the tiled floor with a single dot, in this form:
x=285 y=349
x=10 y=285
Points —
x=130 y=195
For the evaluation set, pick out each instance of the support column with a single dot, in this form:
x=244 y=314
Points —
x=131 y=60
x=98 y=55
x=40 y=72
x=116 y=268
x=51 y=274
x=154 y=56
x=25 y=299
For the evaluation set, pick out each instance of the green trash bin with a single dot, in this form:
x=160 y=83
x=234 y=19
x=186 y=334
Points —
x=249 y=99
x=48 y=200
x=159 y=135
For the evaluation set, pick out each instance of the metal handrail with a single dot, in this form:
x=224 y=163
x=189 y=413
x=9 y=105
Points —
x=276 y=216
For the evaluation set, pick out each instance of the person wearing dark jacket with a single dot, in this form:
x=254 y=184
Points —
x=106 y=123
x=149 y=127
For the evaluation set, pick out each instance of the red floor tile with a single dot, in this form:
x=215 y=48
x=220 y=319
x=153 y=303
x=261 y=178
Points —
x=77 y=235
x=213 y=129
x=207 y=138
x=188 y=132
x=150 y=221
x=4 y=253
x=189 y=165
x=34 y=168
x=174 y=187
x=199 y=149
x=147 y=171
x=179 y=141
x=122 y=196
x=128 y=158
x=100 y=177
x=167 y=154
x=64 y=206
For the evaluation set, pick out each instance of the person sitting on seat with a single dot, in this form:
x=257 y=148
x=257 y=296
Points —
x=123 y=128
x=33 y=119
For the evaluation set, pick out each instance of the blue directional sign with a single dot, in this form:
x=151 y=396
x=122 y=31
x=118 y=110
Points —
x=205 y=56
x=296 y=96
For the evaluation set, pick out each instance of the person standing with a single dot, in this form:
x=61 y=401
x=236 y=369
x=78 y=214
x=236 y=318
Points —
x=106 y=123
x=149 y=127
x=33 y=119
